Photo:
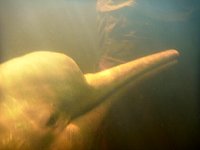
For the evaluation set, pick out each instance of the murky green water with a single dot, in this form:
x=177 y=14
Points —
x=161 y=112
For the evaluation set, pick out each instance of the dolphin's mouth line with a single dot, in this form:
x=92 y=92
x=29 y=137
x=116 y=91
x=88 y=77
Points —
x=157 y=68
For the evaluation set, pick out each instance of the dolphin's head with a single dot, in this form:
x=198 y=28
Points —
x=44 y=93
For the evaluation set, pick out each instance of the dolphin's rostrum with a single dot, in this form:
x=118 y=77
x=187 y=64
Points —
x=48 y=103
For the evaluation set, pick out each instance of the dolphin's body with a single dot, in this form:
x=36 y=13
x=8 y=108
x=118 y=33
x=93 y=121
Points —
x=48 y=103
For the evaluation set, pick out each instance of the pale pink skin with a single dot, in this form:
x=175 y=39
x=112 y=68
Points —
x=47 y=103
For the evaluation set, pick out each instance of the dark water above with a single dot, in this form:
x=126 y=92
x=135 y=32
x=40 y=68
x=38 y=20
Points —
x=161 y=113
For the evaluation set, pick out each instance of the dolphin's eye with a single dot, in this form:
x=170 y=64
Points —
x=52 y=120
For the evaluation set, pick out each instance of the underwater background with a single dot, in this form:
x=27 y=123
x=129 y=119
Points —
x=163 y=111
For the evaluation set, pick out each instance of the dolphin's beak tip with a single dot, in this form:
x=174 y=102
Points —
x=174 y=52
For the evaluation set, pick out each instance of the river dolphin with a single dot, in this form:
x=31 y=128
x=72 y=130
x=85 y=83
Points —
x=47 y=103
